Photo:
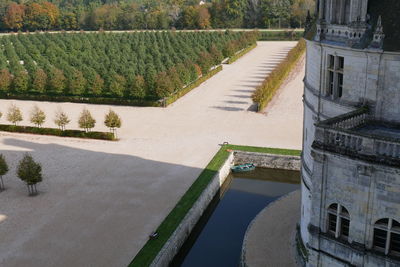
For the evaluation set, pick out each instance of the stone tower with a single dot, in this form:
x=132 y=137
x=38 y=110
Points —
x=350 y=214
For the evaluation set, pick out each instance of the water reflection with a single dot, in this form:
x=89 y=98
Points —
x=217 y=239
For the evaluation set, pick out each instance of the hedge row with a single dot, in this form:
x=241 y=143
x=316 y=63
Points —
x=57 y=132
x=280 y=35
x=192 y=86
x=241 y=53
x=90 y=100
x=265 y=92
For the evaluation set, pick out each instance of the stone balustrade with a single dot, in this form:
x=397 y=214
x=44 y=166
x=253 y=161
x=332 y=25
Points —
x=351 y=122
x=340 y=135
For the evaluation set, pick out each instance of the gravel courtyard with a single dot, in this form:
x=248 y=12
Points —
x=100 y=200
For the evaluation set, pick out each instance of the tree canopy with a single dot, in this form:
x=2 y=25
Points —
x=150 y=14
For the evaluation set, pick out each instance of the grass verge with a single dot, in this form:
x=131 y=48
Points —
x=190 y=87
x=150 y=250
x=241 y=53
x=266 y=91
x=57 y=132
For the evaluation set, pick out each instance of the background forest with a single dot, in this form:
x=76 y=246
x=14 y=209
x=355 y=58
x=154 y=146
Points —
x=34 y=15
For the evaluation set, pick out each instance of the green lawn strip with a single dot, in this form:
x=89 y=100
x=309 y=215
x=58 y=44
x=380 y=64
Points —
x=241 y=53
x=278 y=151
x=150 y=250
x=192 y=86
x=57 y=132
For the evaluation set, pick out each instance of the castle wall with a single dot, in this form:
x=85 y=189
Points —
x=369 y=191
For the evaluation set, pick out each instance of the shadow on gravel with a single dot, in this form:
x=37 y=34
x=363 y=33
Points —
x=241 y=96
x=244 y=91
x=236 y=102
x=253 y=108
x=96 y=193
x=228 y=108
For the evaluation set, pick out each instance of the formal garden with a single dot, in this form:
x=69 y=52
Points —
x=137 y=68
x=37 y=118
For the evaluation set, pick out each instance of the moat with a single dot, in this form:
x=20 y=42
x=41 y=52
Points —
x=217 y=238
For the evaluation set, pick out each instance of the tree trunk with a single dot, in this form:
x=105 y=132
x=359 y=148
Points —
x=1 y=183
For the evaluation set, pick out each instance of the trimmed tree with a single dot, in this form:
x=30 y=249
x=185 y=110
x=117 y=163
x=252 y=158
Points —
x=86 y=120
x=5 y=80
x=3 y=171
x=37 y=116
x=14 y=114
x=30 y=172
x=112 y=121
x=61 y=119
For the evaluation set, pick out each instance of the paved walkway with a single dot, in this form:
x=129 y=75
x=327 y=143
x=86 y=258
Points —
x=100 y=200
x=270 y=238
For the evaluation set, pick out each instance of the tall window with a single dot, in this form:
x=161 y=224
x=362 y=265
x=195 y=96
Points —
x=335 y=76
x=387 y=236
x=337 y=11
x=338 y=221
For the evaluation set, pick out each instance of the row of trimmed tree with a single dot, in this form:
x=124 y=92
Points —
x=149 y=65
x=86 y=121
x=28 y=171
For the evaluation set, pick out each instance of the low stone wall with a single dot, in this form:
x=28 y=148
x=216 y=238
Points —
x=182 y=232
x=268 y=160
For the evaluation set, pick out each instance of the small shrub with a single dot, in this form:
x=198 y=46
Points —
x=30 y=172
x=14 y=114
x=86 y=120
x=61 y=119
x=38 y=117
x=112 y=121
x=3 y=171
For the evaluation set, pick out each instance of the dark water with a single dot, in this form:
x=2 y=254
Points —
x=217 y=238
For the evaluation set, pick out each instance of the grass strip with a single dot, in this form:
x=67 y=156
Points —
x=241 y=53
x=57 y=132
x=266 y=91
x=192 y=86
x=267 y=150
x=151 y=249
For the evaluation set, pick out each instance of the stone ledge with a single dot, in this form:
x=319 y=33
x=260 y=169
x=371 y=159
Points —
x=272 y=161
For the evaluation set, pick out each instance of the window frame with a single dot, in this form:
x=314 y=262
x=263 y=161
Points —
x=335 y=76
x=341 y=214
x=385 y=225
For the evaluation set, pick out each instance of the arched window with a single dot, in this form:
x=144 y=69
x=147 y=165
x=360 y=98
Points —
x=338 y=221
x=387 y=236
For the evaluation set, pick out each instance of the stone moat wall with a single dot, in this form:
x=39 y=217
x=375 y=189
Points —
x=178 y=238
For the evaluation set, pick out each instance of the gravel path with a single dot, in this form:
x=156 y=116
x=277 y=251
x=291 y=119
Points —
x=100 y=200
x=270 y=238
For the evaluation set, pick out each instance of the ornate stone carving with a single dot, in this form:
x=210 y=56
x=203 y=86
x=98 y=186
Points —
x=379 y=36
